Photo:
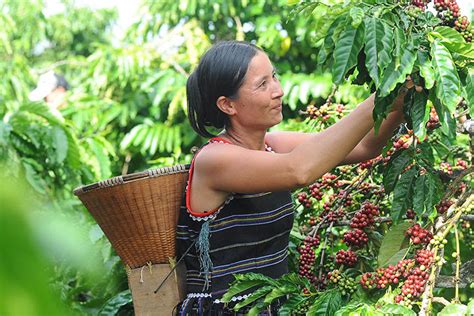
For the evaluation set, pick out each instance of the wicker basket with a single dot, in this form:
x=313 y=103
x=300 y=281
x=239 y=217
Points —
x=138 y=212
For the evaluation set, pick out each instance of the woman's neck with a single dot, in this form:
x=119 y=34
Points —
x=250 y=140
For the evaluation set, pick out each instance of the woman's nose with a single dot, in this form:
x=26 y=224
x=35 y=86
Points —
x=277 y=90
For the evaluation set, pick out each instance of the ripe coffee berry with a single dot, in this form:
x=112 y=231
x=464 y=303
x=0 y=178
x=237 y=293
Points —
x=402 y=142
x=346 y=257
x=368 y=281
x=443 y=206
x=356 y=238
x=315 y=191
x=433 y=121
x=304 y=199
x=365 y=217
x=418 y=235
x=462 y=164
x=410 y=214
x=424 y=257
x=446 y=168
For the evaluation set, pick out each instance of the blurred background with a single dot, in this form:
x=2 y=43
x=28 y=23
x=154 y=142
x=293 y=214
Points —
x=95 y=89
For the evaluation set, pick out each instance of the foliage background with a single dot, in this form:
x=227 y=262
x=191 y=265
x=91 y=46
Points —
x=126 y=112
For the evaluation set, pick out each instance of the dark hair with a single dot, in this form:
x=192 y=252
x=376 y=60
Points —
x=61 y=82
x=220 y=72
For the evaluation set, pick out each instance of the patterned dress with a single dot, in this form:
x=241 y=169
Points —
x=247 y=233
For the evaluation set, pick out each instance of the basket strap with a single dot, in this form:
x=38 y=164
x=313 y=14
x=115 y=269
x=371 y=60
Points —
x=175 y=266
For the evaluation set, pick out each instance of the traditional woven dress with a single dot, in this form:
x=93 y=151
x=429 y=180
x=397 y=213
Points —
x=247 y=233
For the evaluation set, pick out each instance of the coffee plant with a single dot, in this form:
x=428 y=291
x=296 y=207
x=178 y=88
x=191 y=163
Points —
x=391 y=235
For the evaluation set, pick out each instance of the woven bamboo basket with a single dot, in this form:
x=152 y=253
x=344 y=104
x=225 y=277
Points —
x=139 y=212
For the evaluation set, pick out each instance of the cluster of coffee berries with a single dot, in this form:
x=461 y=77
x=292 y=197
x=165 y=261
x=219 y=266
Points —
x=424 y=258
x=304 y=200
x=329 y=179
x=308 y=257
x=391 y=275
x=439 y=241
x=318 y=113
x=368 y=281
x=342 y=197
x=302 y=307
x=315 y=191
x=410 y=214
x=420 y=3
x=367 y=164
x=339 y=109
x=346 y=284
x=365 y=217
x=413 y=286
x=356 y=238
x=402 y=142
x=413 y=12
x=443 y=206
x=446 y=168
x=418 y=235
x=433 y=121
x=331 y=216
x=448 y=10
x=461 y=164
x=346 y=257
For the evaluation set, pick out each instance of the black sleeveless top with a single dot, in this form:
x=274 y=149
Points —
x=248 y=233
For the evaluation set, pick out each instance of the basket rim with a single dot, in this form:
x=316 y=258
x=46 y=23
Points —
x=119 y=180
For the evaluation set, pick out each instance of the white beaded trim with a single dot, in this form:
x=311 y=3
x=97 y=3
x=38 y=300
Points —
x=217 y=301
x=213 y=215
x=195 y=295
x=233 y=299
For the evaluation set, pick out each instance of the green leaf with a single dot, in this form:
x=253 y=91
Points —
x=426 y=69
x=346 y=51
x=419 y=114
x=395 y=309
x=395 y=74
x=448 y=124
x=400 y=42
x=392 y=243
x=402 y=194
x=448 y=86
x=454 y=310
x=357 y=15
x=419 y=195
x=278 y=292
x=453 y=40
x=327 y=304
x=470 y=307
x=60 y=144
x=328 y=40
x=240 y=286
x=347 y=309
x=257 y=294
x=378 y=45
x=433 y=191
x=113 y=305
x=291 y=304
x=469 y=88
x=394 y=169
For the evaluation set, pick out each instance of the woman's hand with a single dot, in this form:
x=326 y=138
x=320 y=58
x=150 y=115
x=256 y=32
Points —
x=397 y=105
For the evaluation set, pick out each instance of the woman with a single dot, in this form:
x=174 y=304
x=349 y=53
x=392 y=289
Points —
x=238 y=211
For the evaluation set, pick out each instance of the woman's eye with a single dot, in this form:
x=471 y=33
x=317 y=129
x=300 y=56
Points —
x=263 y=84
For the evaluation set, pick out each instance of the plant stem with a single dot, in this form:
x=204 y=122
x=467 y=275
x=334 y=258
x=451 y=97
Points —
x=458 y=264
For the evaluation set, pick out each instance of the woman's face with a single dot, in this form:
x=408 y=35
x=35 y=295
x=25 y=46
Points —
x=259 y=98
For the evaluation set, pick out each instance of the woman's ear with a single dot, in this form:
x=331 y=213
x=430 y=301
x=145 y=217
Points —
x=226 y=105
